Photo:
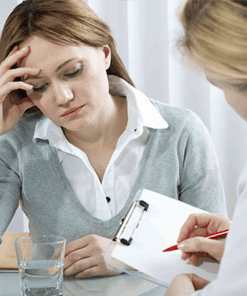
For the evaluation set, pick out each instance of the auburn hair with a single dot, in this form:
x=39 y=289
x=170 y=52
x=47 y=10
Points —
x=63 y=22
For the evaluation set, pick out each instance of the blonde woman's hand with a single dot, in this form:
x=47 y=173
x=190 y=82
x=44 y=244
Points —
x=185 y=285
x=84 y=258
x=191 y=242
x=10 y=113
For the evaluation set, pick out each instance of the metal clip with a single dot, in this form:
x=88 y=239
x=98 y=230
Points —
x=126 y=220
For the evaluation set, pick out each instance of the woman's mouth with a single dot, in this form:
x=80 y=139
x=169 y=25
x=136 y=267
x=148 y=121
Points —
x=72 y=112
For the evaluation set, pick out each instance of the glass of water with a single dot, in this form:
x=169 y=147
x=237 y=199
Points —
x=40 y=262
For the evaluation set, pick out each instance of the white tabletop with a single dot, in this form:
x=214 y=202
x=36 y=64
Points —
x=122 y=285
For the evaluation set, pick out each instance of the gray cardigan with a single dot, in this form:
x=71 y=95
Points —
x=178 y=162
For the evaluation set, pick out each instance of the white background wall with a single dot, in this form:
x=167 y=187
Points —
x=145 y=31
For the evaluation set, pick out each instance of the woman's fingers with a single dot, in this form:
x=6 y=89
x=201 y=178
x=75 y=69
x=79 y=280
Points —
x=19 y=72
x=88 y=273
x=12 y=59
x=194 y=220
x=76 y=256
x=79 y=266
x=191 y=241
x=97 y=271
x=89 y=267
x=10 y=86
x=25 y=104
x=11 y=112
x=85 y=257
x=8 y=75
x=215 y=248
x=185 y=284
x=202 y=224
x=198 y=282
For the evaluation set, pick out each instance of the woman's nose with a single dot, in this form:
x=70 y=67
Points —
x=63 y=95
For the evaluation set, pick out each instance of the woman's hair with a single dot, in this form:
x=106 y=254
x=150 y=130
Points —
x=63 y=22
x=215 y=37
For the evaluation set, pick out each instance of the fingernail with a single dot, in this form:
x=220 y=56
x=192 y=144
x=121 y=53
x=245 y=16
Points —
x=182 y=246
x=24 y=49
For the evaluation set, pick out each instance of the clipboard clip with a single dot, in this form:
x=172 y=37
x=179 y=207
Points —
x=126 y=219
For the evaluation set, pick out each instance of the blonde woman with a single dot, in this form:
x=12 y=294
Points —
x=91 y=140
x=216 y=37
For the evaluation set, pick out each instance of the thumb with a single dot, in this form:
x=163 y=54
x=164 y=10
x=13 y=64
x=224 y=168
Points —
x=198 y=282
x=25 y=104
x=200 y=244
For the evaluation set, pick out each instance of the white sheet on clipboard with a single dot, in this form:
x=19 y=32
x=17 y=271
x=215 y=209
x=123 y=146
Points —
x=158 y=230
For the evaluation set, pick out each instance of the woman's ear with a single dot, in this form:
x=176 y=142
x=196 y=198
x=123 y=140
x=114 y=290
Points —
x=107 y=52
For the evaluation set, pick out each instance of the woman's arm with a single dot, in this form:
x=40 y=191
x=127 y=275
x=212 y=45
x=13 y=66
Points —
x=200 y=180
x=10 y=186
x=231 y=278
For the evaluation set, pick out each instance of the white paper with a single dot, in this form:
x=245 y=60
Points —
x=158 y=230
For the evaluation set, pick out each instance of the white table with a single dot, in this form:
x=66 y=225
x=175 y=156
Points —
x=121 y=285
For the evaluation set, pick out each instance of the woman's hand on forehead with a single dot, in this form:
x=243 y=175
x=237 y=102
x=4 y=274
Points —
x=11 y=112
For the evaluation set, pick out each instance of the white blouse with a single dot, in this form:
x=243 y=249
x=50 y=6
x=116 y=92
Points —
x=104 y=200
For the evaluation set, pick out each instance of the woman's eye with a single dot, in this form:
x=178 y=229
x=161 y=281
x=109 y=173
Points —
x=42 y=88
x=71 y=74
x=74 y=73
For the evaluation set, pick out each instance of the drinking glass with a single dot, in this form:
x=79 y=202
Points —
x=40 y=262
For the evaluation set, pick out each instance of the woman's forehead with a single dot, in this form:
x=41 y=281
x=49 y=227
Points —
x=43 y=52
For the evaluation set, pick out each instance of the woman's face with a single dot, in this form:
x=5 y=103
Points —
x=236 y=99
x=72 y=89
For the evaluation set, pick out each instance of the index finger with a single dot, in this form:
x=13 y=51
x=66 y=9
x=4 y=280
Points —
x=193 y=221
x=14 y=49
x=13 y=58
x=76 y=245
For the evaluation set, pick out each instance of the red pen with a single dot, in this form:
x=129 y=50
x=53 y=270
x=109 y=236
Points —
x=219 y=234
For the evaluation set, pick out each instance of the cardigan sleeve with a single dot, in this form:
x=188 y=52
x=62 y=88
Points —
x=10 y=185
x=231 y=278
x=200 y=179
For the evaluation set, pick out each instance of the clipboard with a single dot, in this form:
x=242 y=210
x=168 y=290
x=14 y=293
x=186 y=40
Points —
x=151 y=225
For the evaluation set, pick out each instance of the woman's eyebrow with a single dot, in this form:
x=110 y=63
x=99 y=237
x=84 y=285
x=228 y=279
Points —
x=64 y=64
x=58 y=68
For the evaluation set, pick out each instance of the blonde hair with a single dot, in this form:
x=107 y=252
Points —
x=215 y=37
x=63 y=22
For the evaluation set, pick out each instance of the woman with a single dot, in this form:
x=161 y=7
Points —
x=77 y=160
x=215 y=37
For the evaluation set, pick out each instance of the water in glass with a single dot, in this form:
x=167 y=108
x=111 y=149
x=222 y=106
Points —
x=41 y=277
